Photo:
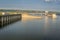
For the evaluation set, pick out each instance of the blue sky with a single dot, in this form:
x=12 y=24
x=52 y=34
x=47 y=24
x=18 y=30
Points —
x=51 y=5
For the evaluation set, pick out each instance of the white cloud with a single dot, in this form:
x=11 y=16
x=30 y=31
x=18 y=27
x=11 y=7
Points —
x=51 y=0
x=47 y=0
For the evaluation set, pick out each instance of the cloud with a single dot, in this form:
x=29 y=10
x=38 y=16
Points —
x=51 y=0
x=47 y=0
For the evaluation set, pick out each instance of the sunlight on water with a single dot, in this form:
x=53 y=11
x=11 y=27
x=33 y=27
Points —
x=46 y=25
x=54 y=16
x=46 y=21
x=29 y=16
x=26 y=17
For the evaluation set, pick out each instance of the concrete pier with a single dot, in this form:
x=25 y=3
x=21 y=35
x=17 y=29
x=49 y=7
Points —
x=8 y=19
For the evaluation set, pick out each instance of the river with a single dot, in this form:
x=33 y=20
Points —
x=32 y=29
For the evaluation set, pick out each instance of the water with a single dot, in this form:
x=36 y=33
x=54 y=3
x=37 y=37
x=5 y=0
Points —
x=32 y=29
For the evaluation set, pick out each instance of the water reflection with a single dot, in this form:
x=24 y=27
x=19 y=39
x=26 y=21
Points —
x=46 y=22
x=54 y=20
x=46 y=25
x=49 y=23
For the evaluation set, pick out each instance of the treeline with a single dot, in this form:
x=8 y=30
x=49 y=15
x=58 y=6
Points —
x=29 y=11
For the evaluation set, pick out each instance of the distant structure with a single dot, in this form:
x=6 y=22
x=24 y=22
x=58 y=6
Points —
x=46 y=12
x=53 y=15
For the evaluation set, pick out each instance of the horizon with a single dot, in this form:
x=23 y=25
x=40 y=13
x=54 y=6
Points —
x=29 y=10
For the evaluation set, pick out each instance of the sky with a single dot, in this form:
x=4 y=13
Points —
x=50 y=5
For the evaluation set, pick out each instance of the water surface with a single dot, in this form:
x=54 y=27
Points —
x=34 y=29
